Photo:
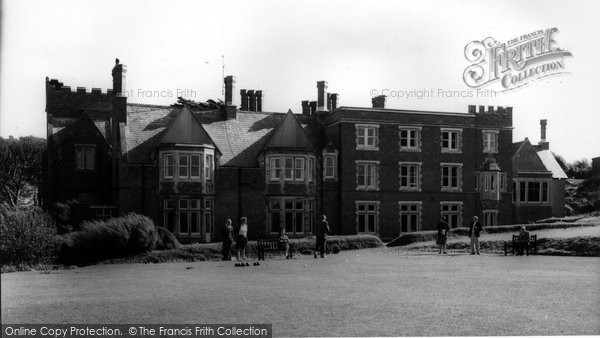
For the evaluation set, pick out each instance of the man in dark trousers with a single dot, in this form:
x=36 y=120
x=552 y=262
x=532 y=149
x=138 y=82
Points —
x=227 y=240
x=322 y=231
x=474 y=233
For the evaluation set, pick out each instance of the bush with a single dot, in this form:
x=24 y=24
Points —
x=116 y=237
x=166 y=240
x=28 y=237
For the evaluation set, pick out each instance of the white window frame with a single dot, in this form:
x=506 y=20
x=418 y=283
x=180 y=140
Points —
x=416 y=130
x=367 y=212
x=408 y=213
x=451 y=212
x=451 y=131
x=527 y=200
x=490 y=217
x=409 y=178
x=274 y=169
x=208 y=166
x=85 y=157
x=199 y=166
x=290 y=168
x=167 y=165
x=490 y=141
x=299 y=168
x=375 y=179
x=459 y=179
x=364 y=145
x=333 y=166
x=180 y=166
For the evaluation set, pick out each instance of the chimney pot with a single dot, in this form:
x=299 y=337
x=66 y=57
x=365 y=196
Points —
x=543 y=124
x=313 y=107
x=321 y=95
x=378 y=101
x=119 y=72
x=229 y=90
x=481 y=109
x=305 y=108
x=472 y=109
x=258 y=95
x=251 y=100
x=334 y=100
x=244 y=99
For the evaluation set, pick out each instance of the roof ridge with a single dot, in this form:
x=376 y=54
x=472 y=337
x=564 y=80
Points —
x=148 y=105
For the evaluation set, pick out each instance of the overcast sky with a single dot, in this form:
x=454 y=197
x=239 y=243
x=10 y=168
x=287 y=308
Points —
x=284 y=48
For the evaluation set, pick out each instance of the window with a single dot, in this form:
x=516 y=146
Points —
x=289 y=168
x=531 y=191
x=367 y=137
x=410 y=176
x=503 y=182
x=490 y=141
x=453 y=212
x=367 y=216
x=189 y=217
x=329 y=166
x=477 y=178
x=294 y=214
x=208 y=203
x=451 y=142
x=183 y=166
x=169 y=165
x=367 y=175
x=208 y=167
x=85 y=155
x=195 y=166
x=169 y=214
x=410 y=216
x=451 y=177
x=311 y=169
x=490 y=218
x=410 y=139
x=299 y=169
x=275 y=168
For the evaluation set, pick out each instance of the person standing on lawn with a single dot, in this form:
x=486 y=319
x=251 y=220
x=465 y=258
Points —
x=523 y=241
x=227 y=240
x=284 y=243
x=474 y=233
x=242 y=239
x=442 y=229
x=322 y=231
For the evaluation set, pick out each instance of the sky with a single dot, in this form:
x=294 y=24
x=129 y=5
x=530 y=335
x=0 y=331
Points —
x=361 y=48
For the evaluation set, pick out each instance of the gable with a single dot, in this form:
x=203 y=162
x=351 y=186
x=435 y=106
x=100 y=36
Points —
x=526 y=159
x=289 y=134
x=186 y=130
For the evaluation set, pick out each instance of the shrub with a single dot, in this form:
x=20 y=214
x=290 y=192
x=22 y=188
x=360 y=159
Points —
x=166 y=239
x=115 y=237
x=28 y=237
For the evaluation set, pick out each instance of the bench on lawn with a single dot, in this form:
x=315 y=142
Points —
x=515 y=243
x=271 y=245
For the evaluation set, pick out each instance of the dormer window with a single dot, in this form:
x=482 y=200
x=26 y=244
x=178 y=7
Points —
x=186 y=165
x=169 y=162
x=275 y=169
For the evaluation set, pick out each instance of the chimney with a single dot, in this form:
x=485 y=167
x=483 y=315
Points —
x=313 y=107
x=305 y=108
x=258 y=96
x=252 y=100
x=472 y=109
x=119 y=74
x=244 y=98
x=321 y=95
x=491 y=109
x=481 y=109
x=378 y=101
x=334 y=100
x=543 y=144
x=230 y=108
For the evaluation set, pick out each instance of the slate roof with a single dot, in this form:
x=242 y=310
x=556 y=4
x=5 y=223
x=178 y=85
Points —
x=239 y=140
x=551 y=164
x=60 y=126
x=186 y=130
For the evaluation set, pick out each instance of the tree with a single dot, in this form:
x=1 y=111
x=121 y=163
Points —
x=561 y=162
x=580 y=169
x=20 y=166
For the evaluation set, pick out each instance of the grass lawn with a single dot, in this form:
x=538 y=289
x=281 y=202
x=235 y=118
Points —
x=367 y=292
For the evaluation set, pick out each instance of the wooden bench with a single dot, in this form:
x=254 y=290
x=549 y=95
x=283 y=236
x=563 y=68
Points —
x=515 y=242
x=271 y=245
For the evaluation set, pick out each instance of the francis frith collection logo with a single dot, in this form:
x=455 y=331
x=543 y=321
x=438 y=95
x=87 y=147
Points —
x=515 y=63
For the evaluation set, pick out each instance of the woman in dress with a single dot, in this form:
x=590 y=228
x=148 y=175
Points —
x=242 y=239
x=442 y=229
